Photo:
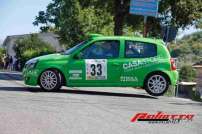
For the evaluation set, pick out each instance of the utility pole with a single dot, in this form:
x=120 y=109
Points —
x=145 y=27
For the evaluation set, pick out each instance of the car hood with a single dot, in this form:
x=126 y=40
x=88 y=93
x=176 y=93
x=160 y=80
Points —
x=56 y=56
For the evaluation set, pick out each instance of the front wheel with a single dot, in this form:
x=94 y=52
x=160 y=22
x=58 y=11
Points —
x=50 y=81
x=156 y=84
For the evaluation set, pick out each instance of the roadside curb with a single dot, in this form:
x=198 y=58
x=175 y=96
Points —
x=9 y=75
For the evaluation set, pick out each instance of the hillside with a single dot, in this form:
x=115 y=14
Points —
x=188 y=49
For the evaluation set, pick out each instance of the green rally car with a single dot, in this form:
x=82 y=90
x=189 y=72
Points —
x=103 y=61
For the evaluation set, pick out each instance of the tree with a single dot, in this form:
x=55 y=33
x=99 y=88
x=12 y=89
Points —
x=69 y=17
x=73 y=22
x=199 y=24
x=188 y=49
x=30 y=47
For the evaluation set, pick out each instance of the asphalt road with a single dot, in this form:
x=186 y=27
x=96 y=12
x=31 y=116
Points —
x=25 y=110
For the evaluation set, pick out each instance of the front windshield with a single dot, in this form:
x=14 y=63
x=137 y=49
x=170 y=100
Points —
x=71 y=50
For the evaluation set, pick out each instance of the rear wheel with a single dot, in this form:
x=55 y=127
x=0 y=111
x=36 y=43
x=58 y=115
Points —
x=50 y=80
x=156 y=84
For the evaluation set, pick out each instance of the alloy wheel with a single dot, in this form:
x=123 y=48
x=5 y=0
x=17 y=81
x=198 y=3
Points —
x=49 y=80
x=157 y=84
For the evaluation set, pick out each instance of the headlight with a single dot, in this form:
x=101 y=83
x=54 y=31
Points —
x=31 y=63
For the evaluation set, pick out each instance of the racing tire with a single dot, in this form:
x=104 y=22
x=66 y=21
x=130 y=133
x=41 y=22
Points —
x=50 y=80
x=156 y=84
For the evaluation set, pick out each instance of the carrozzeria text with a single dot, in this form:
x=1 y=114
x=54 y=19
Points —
x=161 y=117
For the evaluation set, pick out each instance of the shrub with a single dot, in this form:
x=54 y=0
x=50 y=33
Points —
x=30 y=47
x=2 y=52
x=187 y=73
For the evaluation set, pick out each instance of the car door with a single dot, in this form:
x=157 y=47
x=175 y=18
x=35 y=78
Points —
x=139 y=58
x=96 y=65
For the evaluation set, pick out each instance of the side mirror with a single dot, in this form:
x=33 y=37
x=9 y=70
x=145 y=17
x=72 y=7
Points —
x=77 y=56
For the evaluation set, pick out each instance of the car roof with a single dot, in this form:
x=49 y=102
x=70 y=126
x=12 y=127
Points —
x=141 y=39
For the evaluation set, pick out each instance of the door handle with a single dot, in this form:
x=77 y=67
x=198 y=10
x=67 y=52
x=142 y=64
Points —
x=115 y=64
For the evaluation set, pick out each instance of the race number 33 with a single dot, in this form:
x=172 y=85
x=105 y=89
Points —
x=96 y=69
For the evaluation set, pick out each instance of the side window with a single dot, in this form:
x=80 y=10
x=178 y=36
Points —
x=101 y=50
x=134 y=49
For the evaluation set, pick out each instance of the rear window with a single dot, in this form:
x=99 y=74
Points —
x=135 y=49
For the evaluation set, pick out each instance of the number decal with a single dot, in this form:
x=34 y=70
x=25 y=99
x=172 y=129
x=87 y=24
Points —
x=99 y=67
x=96 y=69
x=93 y=71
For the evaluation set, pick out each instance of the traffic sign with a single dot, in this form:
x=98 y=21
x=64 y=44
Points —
x=168 y=33
x=144 y=7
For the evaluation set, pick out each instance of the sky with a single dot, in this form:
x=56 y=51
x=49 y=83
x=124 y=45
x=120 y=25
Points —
x=187 y=31
x=17 y=16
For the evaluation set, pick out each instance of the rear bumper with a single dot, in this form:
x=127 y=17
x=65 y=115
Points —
x=174 y=76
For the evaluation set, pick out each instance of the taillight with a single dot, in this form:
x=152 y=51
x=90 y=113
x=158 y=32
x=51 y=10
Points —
x=173 y=65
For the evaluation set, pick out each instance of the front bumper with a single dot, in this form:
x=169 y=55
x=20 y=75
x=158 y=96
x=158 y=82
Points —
x=31 y=76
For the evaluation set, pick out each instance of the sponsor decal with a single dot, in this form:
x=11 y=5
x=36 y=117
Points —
x=128 y=79
x=161 y=117
x=75 y=74
x=136 y=64
x=96 y=69
x=75 y=71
